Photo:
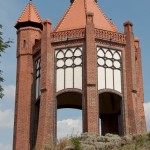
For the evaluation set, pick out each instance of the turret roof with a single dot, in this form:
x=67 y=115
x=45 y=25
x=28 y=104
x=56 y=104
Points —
x=75 y=17
x=30 y=14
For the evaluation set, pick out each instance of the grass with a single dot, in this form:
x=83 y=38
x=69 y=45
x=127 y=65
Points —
x=73 y=141
x=62 y=143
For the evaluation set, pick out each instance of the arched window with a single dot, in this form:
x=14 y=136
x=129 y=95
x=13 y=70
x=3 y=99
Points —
x=109 y=69
x=68 y=63
x=37 y=77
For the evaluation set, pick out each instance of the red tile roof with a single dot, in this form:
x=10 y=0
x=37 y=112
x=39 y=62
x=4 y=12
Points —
x=29 y=14
x=75 y=17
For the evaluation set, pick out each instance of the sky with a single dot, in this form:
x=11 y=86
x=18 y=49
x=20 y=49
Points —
x=69 y=121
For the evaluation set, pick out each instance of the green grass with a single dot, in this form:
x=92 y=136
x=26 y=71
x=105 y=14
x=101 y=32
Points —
x=75 y=141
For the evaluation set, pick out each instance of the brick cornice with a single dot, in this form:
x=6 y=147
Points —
x=68 y=35
x=100 y=34
x=110 y=36
x=28 y=29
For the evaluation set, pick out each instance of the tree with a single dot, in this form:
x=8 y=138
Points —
x=3 y=46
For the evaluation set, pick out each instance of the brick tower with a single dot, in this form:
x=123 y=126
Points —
x=83 y=63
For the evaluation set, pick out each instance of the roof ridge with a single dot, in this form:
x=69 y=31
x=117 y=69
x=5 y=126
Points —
x=30 y=10
x=85 y=5
x=35 y=10
x=111 y=23
x=114 y=26
x=62 y=18
x=23 y=13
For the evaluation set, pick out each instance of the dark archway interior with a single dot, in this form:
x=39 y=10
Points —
x=69 y=100
x=110 y=110
x=73 y=101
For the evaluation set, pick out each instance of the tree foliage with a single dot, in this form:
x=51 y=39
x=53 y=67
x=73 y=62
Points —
x=3 y=46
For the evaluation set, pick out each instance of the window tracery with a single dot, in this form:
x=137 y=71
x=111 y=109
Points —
x=68 y=62
x=109 y=68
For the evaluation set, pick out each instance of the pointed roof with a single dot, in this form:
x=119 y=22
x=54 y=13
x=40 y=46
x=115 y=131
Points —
x=75 y=17
x=30 y=14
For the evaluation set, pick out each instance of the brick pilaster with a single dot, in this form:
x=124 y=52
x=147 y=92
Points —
x=140 y=91
x=91 y=115
x=131 y=86
x=46 y=135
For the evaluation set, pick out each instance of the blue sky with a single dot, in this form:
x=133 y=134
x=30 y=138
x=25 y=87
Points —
x=119 y=11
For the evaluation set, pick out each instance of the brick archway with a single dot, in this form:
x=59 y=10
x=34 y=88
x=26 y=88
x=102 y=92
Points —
x=110 y=112
x=69 y=99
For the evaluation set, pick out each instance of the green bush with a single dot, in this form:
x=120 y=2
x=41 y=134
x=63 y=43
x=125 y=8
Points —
x=75 y=141
x=148 y=135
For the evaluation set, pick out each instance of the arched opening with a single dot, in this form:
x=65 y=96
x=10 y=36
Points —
x=69 y=100
x=110 y=112
x=69 y=114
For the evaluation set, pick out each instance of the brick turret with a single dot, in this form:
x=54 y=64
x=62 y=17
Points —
x=28 y=31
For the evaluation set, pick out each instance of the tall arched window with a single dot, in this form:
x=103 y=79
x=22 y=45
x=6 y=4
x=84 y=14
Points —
x=109 y=69
x=68 y=63
x=37 y=77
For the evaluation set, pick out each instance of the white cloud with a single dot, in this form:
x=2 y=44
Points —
x=9 y=92
x=69 y=127
x=6 y=118
x=5 y=147
x=147 y=114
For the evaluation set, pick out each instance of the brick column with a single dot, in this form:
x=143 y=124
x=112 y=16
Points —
x=131 y=86
x=91 y=114
x=47 y=116
x=25 y=40
x=140 y=92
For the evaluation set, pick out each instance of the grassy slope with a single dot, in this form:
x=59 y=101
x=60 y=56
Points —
x=140 y=142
